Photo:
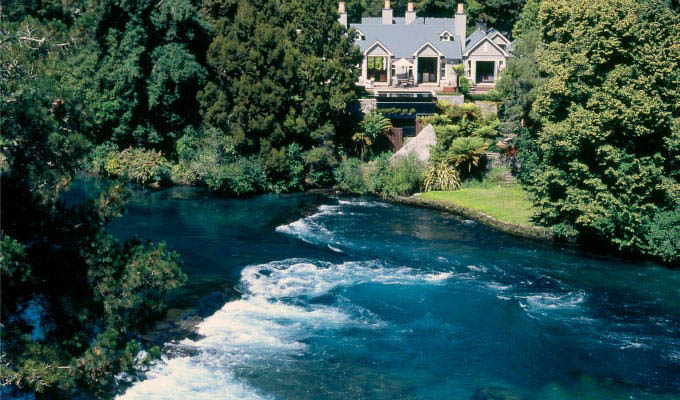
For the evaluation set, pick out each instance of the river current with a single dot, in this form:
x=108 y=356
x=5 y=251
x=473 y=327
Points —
x=355 y=298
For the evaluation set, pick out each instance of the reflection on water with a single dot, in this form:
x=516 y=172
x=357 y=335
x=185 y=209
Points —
x=355 y=298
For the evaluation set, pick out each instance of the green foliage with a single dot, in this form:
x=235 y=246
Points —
x=62 y=336
x=371 y=128
x=148 y=71
x=302 y=100
x=492 y=95
x=138 y=165
x=464 y=85
x=441 y=176
x=382 y=177
x=466 y=152
x=406 y=176
x=664 y=236
x=520 y=82
x=351 y=176
x=100 y=154
x=465 y=126
x=212 y=160
x=527 y=20
x=395 y=110
x=607 y=143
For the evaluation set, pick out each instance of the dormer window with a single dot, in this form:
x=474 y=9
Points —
x=360 y=36
x=446 y=36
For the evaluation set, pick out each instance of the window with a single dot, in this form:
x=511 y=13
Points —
x=393 y=70
x=376 y=68
x=469 y=69
x=442 y=69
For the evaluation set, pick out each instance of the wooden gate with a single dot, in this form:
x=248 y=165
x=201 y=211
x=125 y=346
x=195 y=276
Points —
x=396 y=138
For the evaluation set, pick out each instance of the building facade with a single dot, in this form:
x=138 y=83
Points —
x=417 y=51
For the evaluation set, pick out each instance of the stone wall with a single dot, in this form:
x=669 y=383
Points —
x=487 y=107
x=456 y=100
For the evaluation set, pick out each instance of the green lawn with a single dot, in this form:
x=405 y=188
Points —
x=507 y=204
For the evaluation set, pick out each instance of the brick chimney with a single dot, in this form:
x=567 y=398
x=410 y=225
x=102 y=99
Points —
x=461 y=24
x=343 y=14
x=410 y=15
x=387 y=13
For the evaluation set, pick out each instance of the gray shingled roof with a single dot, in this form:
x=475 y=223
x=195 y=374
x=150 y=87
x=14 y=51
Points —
x=476 y=37
x=404 y=40
x=401 y=21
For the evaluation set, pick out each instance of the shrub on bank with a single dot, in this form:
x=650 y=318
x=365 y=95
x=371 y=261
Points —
x=350 y=176
x=100 y=154
x=441 y=176
x=138 y=165
x=664 y=236
x=381 y=177
x=211 y=160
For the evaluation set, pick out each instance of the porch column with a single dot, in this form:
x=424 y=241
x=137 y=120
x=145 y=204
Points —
x=415 y=71
x=389 y=71
x=439 y=70
x=495 y=71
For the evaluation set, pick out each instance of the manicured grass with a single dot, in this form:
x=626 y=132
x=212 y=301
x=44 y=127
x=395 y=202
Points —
x=507 y=204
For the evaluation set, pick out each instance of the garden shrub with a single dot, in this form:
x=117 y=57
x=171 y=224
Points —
x=466 y=152
x=239 y=177
x=100 y=154
x=664 y=236
x=138 y=165
x=381 y=177
x=406 y=178
x=212 y=160
x=349 y=176
x=441 y=176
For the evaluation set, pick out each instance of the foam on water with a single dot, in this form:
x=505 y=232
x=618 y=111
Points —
x=311 y=230
x=269 y=322
x=363 y=203
x=295 y=278
x=548 y=301
x=190 y=378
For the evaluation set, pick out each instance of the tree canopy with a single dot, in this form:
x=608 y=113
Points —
x=608 y=133
x=284 y=73
x=74 y=299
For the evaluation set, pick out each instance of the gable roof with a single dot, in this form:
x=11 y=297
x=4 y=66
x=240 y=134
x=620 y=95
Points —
x=493 y=33
x=427 y=44
x=404 y=40
x=377 y=44
x=472 y=40
x=483 y=39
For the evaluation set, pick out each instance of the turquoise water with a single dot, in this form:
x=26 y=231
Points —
x=353 y=298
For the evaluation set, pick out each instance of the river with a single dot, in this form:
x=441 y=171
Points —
x=355 y=298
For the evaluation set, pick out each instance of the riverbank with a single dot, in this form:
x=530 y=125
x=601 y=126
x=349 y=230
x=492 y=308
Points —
x=525 y=231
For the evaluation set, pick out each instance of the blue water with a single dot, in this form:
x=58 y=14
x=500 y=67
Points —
x=353 y=298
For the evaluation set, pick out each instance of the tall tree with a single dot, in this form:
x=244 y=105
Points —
x=608 y=114
x=74 y=300
x=149 y=69
x=283 y=74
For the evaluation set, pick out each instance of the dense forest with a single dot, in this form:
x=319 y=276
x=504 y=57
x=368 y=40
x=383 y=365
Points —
x=255 y=96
